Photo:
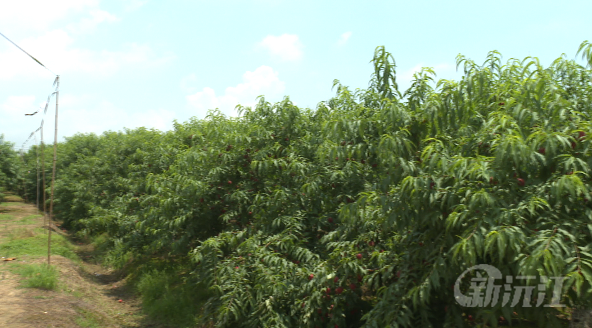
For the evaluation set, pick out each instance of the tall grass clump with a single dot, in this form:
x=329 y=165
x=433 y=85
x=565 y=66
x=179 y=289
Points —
x=33 y=243
x=167 y=298
x=39 y=276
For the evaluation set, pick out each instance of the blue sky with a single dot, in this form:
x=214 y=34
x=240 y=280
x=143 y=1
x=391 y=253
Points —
x=131 y=63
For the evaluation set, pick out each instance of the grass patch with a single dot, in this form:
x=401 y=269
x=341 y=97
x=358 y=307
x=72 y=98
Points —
x=73 y=292
x=166 y=298
x=33 y=243
x=7 y=204
x=29 y=219
x=42 y=297
x=38 y=276
x=9 y=197
x=4 y=217
x=88 y=319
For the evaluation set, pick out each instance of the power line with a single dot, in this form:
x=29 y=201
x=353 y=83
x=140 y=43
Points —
x=46 y=104
x=35 y=59
x=56 y=83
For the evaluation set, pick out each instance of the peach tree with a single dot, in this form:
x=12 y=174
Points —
x=364 y=211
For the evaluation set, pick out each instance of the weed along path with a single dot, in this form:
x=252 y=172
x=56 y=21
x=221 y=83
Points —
x=73 y=292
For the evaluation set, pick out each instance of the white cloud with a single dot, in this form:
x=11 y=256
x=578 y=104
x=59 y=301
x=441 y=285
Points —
x=188 y=83
x=40 y=15
x=15 y=123
x=50 y=31
x=344 y=38
x=263 y=81
x=56 y=50
x=104 y=116
x=407 y=76
x=77 y=114
x=205 y=99
x=89 y=24
x=18 y=106
x=286 y=47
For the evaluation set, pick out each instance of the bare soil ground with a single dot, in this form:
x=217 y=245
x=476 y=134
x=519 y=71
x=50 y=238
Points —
x=87 y=295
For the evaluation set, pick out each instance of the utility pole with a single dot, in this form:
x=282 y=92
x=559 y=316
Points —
x=55 y=155
x=43 y=170
x=55 y=146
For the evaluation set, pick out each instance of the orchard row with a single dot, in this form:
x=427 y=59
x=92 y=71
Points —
x=362 y=212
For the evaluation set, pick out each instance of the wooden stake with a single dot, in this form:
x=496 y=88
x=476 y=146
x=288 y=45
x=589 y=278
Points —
x=24 y=177
x=37 y=167
x=55 y=155
x=43 y=170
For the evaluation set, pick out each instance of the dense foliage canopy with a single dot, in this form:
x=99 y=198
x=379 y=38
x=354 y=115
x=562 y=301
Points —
x=363 y=212
x=9 y=166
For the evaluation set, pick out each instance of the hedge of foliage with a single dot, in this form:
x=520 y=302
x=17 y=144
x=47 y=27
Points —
x=9 y=167
x=364 y=211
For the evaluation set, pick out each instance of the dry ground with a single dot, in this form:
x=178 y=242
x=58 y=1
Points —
x=87 y=295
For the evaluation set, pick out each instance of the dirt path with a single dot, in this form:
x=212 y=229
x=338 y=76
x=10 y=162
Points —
x=87 y=295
